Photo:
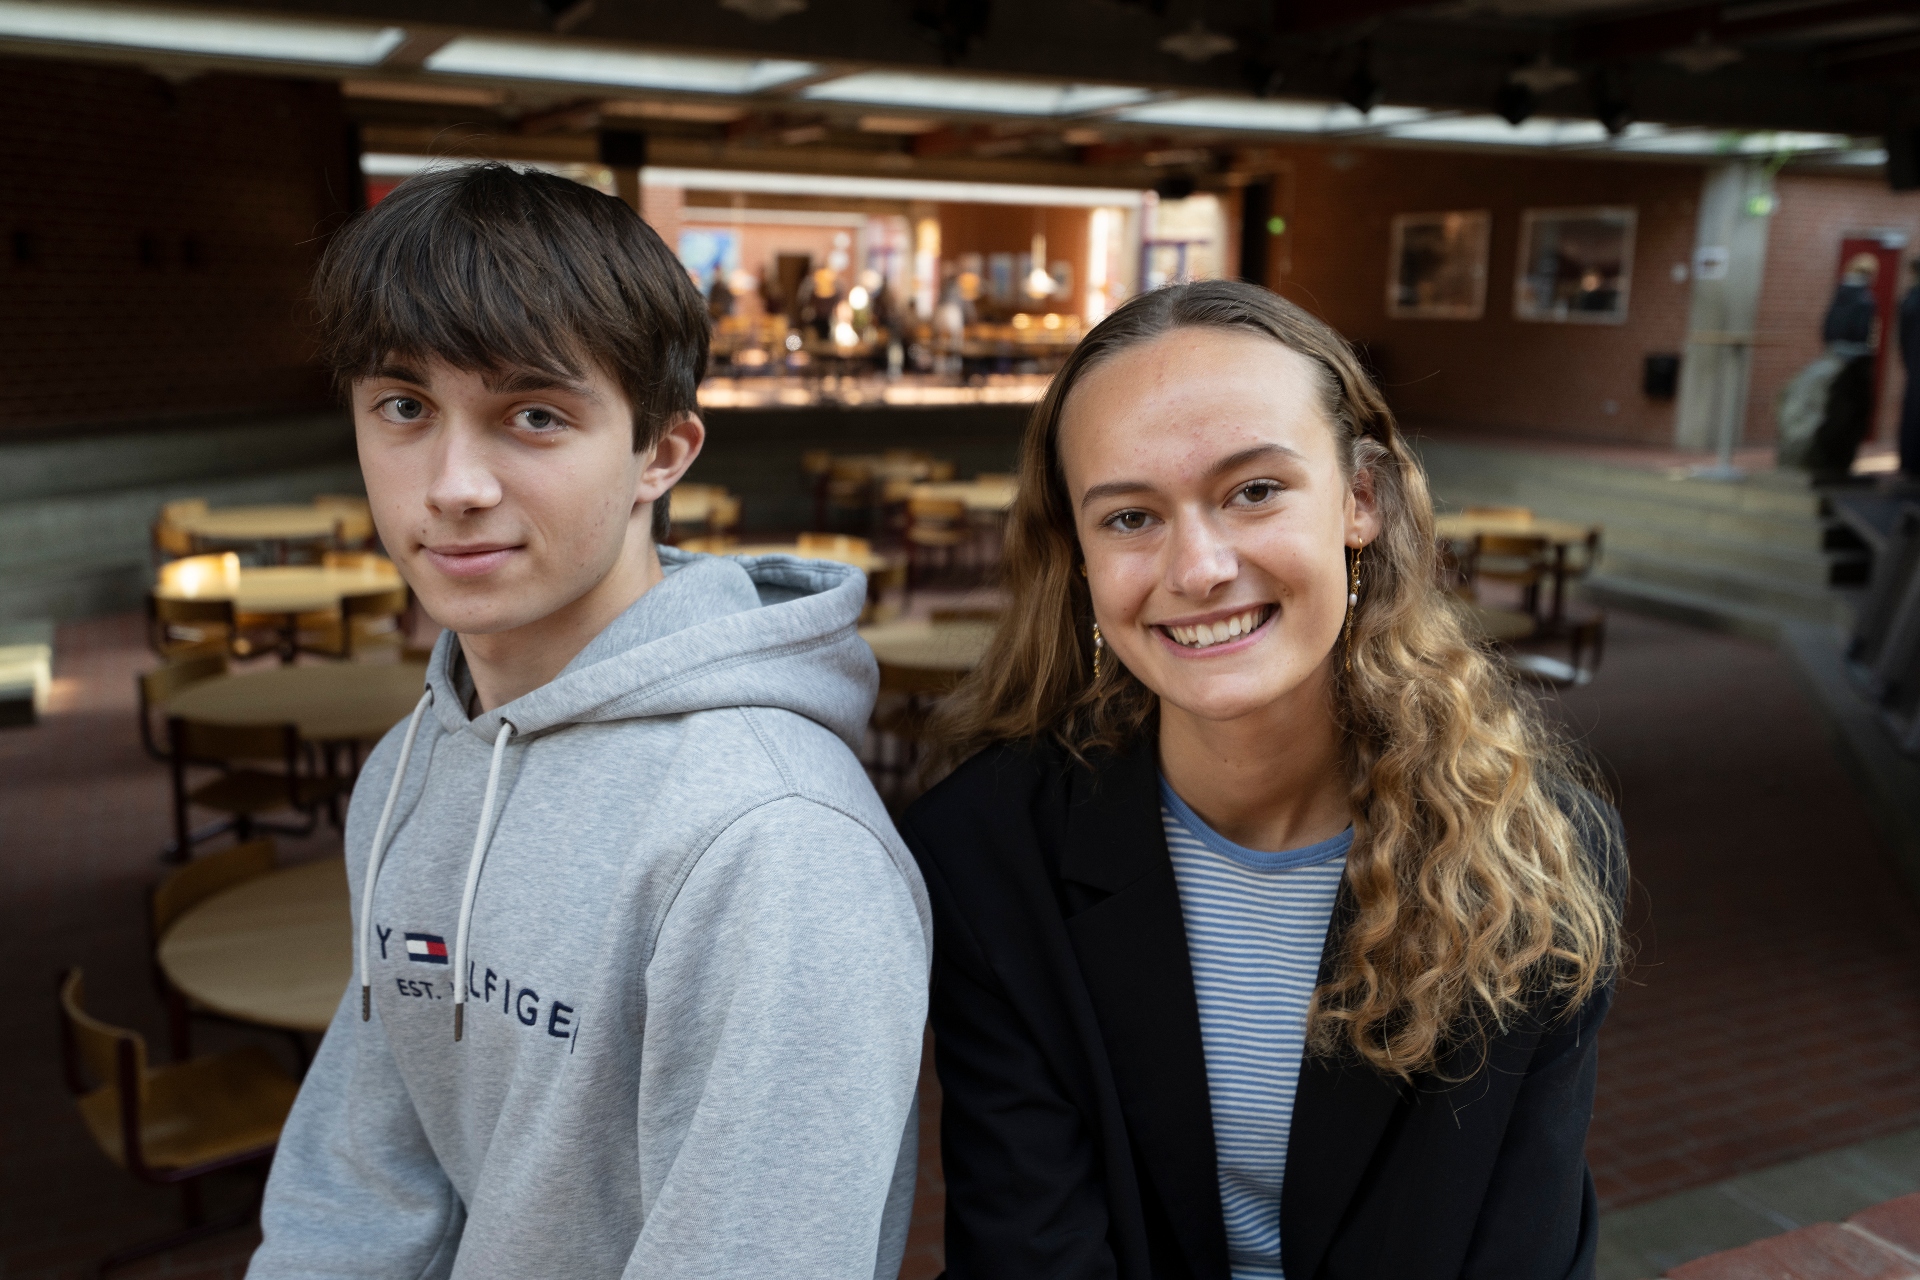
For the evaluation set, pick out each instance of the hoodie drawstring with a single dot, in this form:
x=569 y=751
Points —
x=379 y=852
x=480 y=839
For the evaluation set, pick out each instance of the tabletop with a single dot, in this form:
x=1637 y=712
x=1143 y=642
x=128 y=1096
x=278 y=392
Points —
x=1460 y=527
x=285 y=588
x=979 y=495
x=334 y=702
x=865 y=561
x=276 y=951
x=693 y=506
x=261 y=523
x=926 y=646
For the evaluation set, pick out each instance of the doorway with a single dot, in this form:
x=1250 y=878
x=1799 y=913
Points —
x=1886 y=248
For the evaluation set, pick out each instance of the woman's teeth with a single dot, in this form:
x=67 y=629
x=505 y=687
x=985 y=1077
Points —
x=1206 y=634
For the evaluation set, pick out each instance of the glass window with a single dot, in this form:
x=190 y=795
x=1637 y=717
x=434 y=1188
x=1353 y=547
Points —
x=1438 y=266
x=1575 y=265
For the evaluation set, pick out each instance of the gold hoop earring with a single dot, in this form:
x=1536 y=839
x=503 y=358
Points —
x=1098 y=644
x=1353 y=604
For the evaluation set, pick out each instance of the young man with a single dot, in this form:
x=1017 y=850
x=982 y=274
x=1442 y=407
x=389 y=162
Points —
x=641 y=965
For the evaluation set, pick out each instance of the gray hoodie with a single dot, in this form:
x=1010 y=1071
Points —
x=692 y=954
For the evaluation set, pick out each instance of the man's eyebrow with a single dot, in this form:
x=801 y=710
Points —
x=521 y=381
x=1232 y=462
x=399 y=373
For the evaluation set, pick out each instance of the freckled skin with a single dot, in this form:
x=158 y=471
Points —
x=520 y=516
x=1188 y=541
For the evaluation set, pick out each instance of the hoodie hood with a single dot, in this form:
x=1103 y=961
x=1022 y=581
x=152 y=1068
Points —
x=759 y=631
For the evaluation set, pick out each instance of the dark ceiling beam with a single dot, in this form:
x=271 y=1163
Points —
x=1897 y=59
x=1651 y=33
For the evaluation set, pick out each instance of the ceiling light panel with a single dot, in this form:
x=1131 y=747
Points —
x=1268 y=116
x=1490 y=130
x=194 y=33
x=974 y=94
x=578 y=64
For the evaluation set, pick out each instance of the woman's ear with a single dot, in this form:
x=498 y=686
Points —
x=672 y=453
x=1363 y=509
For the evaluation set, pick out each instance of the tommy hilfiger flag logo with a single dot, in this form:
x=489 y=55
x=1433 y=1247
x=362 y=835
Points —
x=427 y=948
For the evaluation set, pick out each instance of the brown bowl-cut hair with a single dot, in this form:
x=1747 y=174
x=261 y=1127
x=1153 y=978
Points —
x=497 y=270
x=1481 y=872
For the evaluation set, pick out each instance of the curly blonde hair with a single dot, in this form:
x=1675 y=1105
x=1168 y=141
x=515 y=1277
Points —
x=1480 y=871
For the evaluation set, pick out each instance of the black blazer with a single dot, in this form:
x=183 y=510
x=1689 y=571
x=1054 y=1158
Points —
x=1077 y=1133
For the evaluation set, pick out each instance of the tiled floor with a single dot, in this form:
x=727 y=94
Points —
x=1774 y=1010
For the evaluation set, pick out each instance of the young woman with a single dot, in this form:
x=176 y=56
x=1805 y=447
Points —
x=1272 y=929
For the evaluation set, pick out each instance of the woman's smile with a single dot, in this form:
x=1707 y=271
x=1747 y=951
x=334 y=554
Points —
x=1219 y=632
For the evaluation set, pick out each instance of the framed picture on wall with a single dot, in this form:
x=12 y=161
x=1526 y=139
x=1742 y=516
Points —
x=1437 y=266
x=1575 y=265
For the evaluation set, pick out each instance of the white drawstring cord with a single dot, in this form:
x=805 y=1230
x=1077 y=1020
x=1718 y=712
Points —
x=379 y=852
x=480 y=838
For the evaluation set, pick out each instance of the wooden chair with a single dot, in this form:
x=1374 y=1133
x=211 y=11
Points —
x=154 y=688
x=848 y=496
x=170 y=542
x=242 y=790
x=174 y=1124
x=1525 y=562
x=1586 y=636
x=179 y=892
x=1499 y=513
x=898 y=728
x=369 y=619
x=834 y=544
x=179 y=629
x=937 y=529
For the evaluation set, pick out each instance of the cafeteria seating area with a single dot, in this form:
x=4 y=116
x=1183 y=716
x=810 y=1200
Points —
x=1775 y=1012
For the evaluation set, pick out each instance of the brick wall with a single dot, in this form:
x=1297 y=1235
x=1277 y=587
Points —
x=1497 y=371
x=159 y=241
x=1803 y=261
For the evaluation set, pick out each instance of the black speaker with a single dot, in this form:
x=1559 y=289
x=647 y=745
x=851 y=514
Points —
x=1256 y=206
x=1903 y=157
x=1660 y=377
x=623 y=148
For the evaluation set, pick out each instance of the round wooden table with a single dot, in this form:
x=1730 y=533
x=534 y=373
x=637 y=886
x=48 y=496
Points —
x=262 y=523
x=284 y=591
x=1464 y=528
x=926 y=646
x=337 y=702
x=276 y=951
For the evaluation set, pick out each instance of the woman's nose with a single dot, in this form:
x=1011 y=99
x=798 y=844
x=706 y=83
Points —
x=1199 y=560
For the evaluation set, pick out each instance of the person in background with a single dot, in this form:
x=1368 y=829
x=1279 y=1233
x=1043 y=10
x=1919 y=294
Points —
x=1850 y=332
x=1273 y=928
x=640 y=961
x=1910 y=361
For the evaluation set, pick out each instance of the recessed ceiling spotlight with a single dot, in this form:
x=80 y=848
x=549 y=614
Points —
x=1705 y=54
x=1363 y=91
x=1197 y=43
x=1515 y=102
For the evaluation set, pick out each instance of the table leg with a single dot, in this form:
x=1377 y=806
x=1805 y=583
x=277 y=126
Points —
x=1559 y=583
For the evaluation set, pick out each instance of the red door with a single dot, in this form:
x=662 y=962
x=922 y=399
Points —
x=1886 y=286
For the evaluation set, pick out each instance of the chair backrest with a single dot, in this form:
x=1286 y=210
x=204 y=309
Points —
x=356 y=561
x=162 y=683
x=816 y=462
x=725 y=512
x=834 y=544
x=93 y=1048
x=193 y=574
x=1519 y=548
x=208 y=874
x=718 y=546
x=341 y=502
x=391 y=602
x=171 y=512
x=421 y=654
x=1500 y=513
x=169 y=539
x=217 y=743
x=941 y=470
x=936 y=510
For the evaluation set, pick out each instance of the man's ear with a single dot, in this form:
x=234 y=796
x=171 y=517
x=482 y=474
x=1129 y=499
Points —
x=672 y=453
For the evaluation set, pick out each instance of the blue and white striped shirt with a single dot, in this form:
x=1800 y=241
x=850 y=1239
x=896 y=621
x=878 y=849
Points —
x=1256 y=924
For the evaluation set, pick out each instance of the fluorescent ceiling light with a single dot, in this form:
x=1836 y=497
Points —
x=1662 y=140
x=1495 y=131
x=1268 y=116
x=974 y=94
x=195 y=33
x=810 y=184
x=1862 y=155
x=581 y=64
x=390 y=165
